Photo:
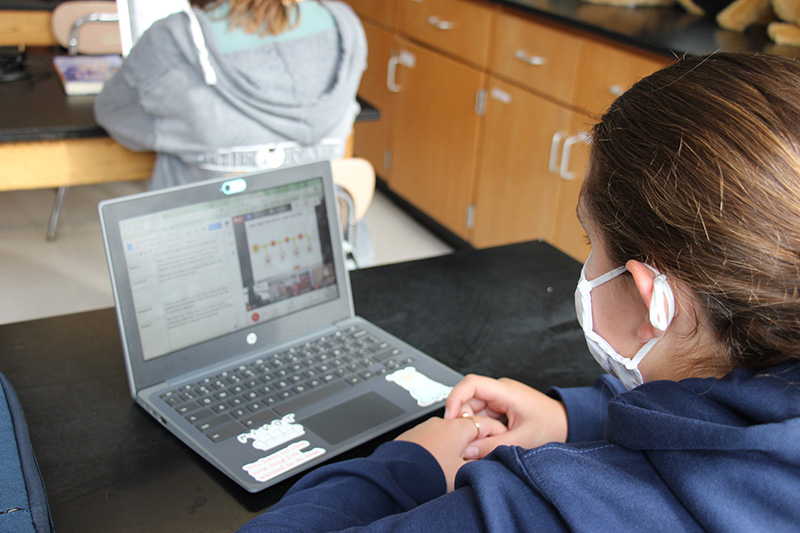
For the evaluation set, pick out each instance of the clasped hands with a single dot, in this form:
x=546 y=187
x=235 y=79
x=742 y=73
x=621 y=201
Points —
x=482 y=413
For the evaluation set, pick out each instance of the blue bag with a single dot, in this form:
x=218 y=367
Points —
x=23 y=501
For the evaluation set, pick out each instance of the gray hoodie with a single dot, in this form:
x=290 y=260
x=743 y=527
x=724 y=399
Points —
x=209 y=114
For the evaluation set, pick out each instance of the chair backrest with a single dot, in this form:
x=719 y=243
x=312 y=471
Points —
x=87 y=27
x=355 y=187
x=357 y=177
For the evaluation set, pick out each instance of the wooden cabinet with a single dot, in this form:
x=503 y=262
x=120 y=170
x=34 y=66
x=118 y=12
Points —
x=568 y=235
x=435 y=133
x=605 y=72
x=517 y=189
x=457 y=27
x=532 y=161
x=527 y=188
x=536 y=56
x=555 y=84
x=382 y=12
x=373 y=139
x=424 y=146
x=484 y=114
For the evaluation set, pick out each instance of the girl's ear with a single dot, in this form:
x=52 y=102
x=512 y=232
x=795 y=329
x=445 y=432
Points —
x=643 y=277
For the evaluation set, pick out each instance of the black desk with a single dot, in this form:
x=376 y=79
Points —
x=29 y=5
x=668 y=30
x=108 y=466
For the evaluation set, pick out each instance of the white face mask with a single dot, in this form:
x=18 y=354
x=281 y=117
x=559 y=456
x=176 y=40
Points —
x=662 y=310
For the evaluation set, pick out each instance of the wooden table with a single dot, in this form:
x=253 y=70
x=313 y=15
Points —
x=51 y=140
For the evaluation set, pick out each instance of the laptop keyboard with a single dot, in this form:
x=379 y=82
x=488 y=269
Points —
x=247 y=396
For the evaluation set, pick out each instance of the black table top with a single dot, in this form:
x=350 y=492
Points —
x=107 y=465
x=37 y=108
x=666 y=30
x=40 y=110
x=669 y=31
x=29 y=5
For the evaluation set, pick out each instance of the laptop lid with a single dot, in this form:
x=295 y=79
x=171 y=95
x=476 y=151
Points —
x=209 y=272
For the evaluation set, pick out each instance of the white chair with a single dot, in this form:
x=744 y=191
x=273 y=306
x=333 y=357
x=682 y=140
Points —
x=92 y=28
x=355 y=185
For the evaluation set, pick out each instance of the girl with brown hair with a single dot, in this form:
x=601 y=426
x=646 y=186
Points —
x=230 y=86
x=691 y=298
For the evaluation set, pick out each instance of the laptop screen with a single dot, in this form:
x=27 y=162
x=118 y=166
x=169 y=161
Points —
x=208 y=269
x=203 y=274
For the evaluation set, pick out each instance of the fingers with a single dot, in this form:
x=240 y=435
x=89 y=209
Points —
x=481 y=448
x=485 y=427
x=476 y=407
x=458 y=397
x=494 y=436
x=456 y=434
x=479 y=394
x=473 y=419
x=464 y=396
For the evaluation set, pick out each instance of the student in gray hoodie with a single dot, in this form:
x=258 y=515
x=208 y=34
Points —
x=227 y=86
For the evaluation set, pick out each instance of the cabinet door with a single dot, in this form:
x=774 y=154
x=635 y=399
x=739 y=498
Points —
x=457 y=27
x=435 y=132
x=537 y=56
x=605 y=72
x=569 y=236
x=373 y=139
x=381 y=11
x=517 y=190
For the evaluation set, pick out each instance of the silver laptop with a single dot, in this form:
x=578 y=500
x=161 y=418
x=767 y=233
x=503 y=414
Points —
x=238 y=327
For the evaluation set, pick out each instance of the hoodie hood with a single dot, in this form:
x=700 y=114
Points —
x=291 y=114
x=744 y=411
x=728 y=450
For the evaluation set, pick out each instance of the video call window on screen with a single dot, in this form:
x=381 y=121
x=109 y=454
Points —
x=281 y=253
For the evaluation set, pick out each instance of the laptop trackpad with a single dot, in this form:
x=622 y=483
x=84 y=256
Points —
x=352 y=417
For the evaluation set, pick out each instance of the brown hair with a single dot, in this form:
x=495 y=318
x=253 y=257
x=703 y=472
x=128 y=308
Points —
x=257 y=16
x=696 y=171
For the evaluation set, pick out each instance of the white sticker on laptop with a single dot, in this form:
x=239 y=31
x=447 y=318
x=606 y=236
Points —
x=422 y=388
x=277 y=432
x=282 y=461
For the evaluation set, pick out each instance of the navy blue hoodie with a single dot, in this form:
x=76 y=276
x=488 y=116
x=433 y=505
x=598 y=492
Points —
x=699 y=454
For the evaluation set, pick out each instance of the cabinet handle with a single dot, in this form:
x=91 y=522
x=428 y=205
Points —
x=391 y=74
x=407 y=59
x=616 y=89
x=523 y=56
x=553 y=165
x=434 y=21
x=565 y=154
x=500 y=95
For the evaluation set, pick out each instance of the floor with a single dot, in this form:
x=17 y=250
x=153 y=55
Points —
x=40 y=278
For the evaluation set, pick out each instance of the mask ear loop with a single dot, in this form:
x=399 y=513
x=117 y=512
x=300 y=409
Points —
x=662 y=303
